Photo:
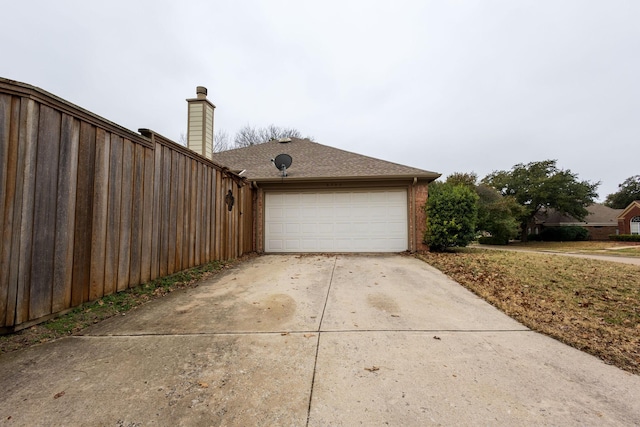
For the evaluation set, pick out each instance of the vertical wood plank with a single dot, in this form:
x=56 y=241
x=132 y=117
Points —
x=84 y=215
x=137 y=209
x=113 y=216
x=126 y=185
x=99 y=220
x=44 y=221
x=23 y=212
x=173 y=214
x=179 y=201
x=198 y=219
x=148 y=215
x=225 y=219
x=213 y=217
x=192 y=213
x=9 y=118
x=157 y=212
x=240 y=236
x=165 y=198
x=218 y=219
x=187 y=213
x=250 y=211
x=5 y=132
x=65 y=218
x=207 y=216
x=203 y=215
x=233 y=238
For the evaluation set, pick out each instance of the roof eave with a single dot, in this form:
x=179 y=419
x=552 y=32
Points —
x=420 y=177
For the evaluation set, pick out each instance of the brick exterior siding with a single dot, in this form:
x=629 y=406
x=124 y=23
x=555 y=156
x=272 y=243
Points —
x=421 y=195
x=624 y=223
x=601 y=233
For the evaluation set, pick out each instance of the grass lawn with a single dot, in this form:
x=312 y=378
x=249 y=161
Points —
x=589 y=304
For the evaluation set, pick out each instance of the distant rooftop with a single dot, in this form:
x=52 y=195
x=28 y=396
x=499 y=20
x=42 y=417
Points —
x=598 y=215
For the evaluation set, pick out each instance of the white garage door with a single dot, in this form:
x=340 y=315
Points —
x=336 y=221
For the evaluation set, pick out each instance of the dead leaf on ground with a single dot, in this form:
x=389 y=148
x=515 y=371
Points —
x=372 y=369
x=309 y=335
x=284 y=333
x=435 y=337
x=395 y=315
x=203 y=384
x=59 y=395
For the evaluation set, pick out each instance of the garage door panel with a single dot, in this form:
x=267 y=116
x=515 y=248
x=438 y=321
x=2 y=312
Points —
x=336 y=221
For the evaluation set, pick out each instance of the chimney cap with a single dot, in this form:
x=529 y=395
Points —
x=201 y=92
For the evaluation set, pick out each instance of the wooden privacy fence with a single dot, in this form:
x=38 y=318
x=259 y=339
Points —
x=88 y=208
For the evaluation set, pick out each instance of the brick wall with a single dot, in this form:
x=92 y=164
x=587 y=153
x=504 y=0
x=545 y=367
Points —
x=601 y=233
x=421 y=195
x=625 y=223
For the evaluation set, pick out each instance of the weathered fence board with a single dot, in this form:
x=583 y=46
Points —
x=99 y=221
x=173 y=212
x=84 y=215
x=9 y=113
x=147 y=212
x=113 y=216
x=65 y=213
x=29 y=120
x=137 y=209
x=89 y=208
x=126 y=199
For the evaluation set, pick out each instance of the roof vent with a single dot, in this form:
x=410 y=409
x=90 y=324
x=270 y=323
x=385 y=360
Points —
x=201 y=92
x=284 y=140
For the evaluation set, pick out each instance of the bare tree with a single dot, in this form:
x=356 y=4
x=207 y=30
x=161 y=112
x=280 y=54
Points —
x=221 y=141
x=250 y=135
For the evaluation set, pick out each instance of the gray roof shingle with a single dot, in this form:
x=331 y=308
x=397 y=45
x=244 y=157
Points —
x=598 y=214
x=312 y=160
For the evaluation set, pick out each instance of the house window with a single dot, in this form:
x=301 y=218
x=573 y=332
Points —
x=635 y=225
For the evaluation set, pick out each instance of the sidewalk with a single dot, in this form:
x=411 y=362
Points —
x=603 y=257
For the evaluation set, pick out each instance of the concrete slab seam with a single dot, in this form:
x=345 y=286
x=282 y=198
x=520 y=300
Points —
x=315 y=361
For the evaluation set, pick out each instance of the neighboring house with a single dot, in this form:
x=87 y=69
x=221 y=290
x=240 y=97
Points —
x=629 y=219
x=331 y=200
x=602 y=221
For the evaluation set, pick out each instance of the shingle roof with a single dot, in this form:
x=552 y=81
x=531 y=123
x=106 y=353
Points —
x=598 y=214
x=312 y=160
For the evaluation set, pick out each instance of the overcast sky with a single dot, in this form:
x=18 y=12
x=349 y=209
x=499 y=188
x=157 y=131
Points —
x=446 y=86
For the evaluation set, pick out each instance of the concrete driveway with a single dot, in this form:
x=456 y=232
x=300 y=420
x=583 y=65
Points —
x=315 y=340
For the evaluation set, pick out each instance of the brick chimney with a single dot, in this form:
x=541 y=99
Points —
x=200 y=123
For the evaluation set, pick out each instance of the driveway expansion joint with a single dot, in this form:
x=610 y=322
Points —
x=315 y=361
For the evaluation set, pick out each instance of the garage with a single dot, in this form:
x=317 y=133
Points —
x=323 y=199
x=336 y=221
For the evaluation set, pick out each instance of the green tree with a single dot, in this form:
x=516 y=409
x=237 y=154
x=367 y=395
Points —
x=461 y=178
x=627 y=192
x=496 y=214
x=451 y=216
x=542 y=185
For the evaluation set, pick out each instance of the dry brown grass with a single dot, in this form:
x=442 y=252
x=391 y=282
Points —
x=589 y=304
